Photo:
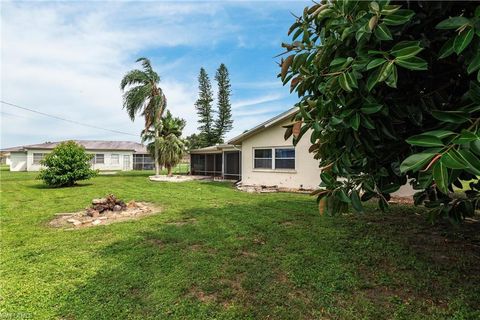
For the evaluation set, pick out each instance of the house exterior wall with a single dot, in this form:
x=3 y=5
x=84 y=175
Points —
x=306 y=174
x=18 y=161
x=123 y=163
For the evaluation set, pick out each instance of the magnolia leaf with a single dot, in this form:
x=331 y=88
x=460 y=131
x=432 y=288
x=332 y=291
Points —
x=356 y=202
x=371 y=108
x=466 y=137
x=286 y=63
x=342 y=196
x=342 y=80
x=452 y=23
x=450 y=116
x=463 y=40
x=452 y=162
x=412 y=63
x=440 y=176
x=406 y=49
x=424 y=140
x=391 y=81
x=375 y=63
x=439 y=133
x=416 y=161
x=388 y=9
x=473 y=163
x=400 y=17
x=382 y=32
x=355 y=121
x=474 y=64
x=374 y=6
x=447 y=49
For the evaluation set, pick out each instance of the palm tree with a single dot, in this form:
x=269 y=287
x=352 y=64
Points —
x=141 y=94
x=169 y=147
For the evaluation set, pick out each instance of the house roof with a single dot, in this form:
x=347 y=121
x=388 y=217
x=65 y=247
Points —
x=87 y=144
x=213 y=149
x=282 y=116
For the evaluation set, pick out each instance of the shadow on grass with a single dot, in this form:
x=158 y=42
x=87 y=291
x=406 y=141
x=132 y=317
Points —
x=45 y=186
x=278 y=259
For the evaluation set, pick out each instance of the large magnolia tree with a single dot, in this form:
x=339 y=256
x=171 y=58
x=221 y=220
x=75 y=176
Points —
x=391 y=91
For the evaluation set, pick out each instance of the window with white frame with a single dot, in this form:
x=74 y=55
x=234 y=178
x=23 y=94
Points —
x=37 y=157
x=262 y=159
x=98 y=158
x=274 y=158
x=115 y=158
x=284 y=158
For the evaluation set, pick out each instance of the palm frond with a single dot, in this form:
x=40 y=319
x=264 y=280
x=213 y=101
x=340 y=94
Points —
x=134 y=78
x=147 y=66
x=135 y=99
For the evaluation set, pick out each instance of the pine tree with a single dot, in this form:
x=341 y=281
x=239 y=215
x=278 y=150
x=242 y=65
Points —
x=224 y=122
x=204 y=108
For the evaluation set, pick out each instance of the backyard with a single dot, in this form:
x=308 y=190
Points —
x=215 y=252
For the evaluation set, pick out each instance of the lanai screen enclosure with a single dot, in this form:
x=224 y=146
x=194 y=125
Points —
x=217 y=161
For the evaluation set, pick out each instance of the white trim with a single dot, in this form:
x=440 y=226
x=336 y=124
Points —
x=273 y=158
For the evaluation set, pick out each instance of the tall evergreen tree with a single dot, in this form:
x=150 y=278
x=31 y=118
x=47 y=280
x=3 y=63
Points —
x=224 y=121
x=204 y=107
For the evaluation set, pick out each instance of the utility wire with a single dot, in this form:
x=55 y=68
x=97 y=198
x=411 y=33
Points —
x=66 y=120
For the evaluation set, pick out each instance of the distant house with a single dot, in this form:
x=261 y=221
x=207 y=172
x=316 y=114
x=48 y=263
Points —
x=261 y=156
x=108 y=155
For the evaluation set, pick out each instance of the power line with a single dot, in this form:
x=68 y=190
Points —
x=66 y=120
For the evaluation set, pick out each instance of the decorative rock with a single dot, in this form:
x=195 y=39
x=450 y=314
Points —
x=75 y=222
x=96 y=222
x=117 y=208
x=99 y=201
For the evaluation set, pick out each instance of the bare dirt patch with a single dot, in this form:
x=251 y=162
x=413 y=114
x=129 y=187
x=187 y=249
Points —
x=82 y=219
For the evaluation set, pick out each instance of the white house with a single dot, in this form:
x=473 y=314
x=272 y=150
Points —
x=261 y=156
x=108 y=155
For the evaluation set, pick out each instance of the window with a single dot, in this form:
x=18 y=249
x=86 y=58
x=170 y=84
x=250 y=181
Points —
x=262 y=159
x=37 y=157
x=274 y=158
x=285 y=158
x=115 y=159
x=99 y=158
x=143 y=162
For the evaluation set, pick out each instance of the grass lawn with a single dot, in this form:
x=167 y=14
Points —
x=219 y=253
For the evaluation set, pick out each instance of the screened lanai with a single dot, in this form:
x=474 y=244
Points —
x=216 y=161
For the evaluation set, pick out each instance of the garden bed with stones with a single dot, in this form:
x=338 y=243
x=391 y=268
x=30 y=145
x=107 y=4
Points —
x=104 y=211
x=178 y=178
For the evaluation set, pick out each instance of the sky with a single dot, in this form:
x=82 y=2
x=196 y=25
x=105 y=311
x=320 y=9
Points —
x=67 y=59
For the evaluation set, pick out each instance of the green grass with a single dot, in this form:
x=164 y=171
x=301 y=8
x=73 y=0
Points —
x=217 y=253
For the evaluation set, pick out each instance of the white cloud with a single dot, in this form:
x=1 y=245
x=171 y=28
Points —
x=257 y=100
x=67 y=59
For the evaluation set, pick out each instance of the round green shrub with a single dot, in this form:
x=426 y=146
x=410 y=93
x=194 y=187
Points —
x=66 y=164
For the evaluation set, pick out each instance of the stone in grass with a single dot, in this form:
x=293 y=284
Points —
x=96 y=222
x=75 y=222
x=117 y=208
x=99 y=201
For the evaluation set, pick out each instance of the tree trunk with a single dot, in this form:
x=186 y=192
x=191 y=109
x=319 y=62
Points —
x=157 y=164
x=169 y=168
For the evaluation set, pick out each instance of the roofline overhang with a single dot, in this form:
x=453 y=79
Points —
x=238 y=139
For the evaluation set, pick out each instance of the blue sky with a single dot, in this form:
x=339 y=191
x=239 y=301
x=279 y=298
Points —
x=67 y=59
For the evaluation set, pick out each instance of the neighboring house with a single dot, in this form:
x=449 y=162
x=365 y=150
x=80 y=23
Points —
x=262 y=157
x=108 y=155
